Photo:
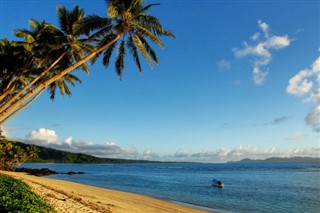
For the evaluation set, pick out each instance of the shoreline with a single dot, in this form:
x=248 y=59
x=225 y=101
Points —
x=66 y=196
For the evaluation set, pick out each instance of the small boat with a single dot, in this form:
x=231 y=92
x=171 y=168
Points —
x=217 y=183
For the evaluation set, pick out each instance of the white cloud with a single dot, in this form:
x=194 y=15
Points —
x=49 y=138
x=306 y=84
x=259 y=76
x=68 y=140
x=256 y=36
x=182 y=154
x=107 y=150
x=298 y=135
x=224 y=65
x=241 y=152
x=314 y=95
x=313 y=119
x=43 y=135
x=260 y=50
x=303 y=82
x=112 y=150
x=4 y=131
x=148 y=154
x=299 y=84
x=264 y=27
x=277 y=42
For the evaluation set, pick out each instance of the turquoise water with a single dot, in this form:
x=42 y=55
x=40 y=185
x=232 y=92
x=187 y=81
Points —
x=255 y=187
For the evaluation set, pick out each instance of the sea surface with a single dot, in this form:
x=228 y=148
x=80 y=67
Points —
x=249 y=187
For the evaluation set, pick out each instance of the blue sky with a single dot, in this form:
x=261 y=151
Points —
x=241 y=79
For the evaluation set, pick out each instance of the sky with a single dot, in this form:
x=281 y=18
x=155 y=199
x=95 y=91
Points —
x=241 y=80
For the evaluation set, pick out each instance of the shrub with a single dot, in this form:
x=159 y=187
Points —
x=16 y=196
x=12 y=155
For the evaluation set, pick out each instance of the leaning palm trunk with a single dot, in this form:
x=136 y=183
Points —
x=16 y=103
x=16 y=96
x=22 y=107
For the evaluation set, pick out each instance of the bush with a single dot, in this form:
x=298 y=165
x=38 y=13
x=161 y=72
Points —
x=12 y=155
x=16 y=196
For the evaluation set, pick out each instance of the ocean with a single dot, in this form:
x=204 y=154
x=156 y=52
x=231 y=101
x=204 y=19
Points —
x=249 y=187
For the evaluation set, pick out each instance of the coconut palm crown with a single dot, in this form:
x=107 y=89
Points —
x=128 y=20
x=44 y=51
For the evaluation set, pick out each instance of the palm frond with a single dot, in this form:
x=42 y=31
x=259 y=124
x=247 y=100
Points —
x=25 y=34
x=114 y=8
x=91 y=23
x=142 y=49
x=104 y=32
x=144 y=9
x=34 y=23
x=149 y=49
x=63 y=18
x=134 y=51
x=107 y=54
x=153 y=24
x=144 y=32
x=119 y=64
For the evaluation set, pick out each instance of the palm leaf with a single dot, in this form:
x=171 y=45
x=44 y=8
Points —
x=138 y=43
x=114 y=8
x=149 y=49
x=144 y=9
x=134 y=51
x=91 y=23
x=119 y=64
x=107 y=54
x=143 y=31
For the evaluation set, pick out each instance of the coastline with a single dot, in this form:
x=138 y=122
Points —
x=66 y=196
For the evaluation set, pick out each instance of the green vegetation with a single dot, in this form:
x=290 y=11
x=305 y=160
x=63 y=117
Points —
x=16 y=196
x=45 y=55
x=49 y=155
x=12 y=155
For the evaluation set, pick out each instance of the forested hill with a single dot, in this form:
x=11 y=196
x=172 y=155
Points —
x=49 y=155
x=279 y=160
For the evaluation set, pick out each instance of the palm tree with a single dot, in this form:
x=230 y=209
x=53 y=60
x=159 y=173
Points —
x=15 y=68
x=52 y=50
x=127 y=20
x=32 y=152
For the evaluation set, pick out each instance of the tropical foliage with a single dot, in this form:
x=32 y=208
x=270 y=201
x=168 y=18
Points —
x=16 y=196
x=12 y=156
x=45 y=55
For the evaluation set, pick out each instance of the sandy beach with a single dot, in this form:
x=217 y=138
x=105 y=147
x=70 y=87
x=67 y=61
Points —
x=72 y=197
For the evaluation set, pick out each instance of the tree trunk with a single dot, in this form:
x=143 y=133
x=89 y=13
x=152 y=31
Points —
x=22 y=107
x=5 y=112
x=16 y=96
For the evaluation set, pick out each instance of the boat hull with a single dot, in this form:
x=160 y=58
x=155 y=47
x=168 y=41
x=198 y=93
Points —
x=221 y=185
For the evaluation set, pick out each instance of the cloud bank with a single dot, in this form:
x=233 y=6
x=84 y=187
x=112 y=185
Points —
x=236 y=154
x=261 y=50
x=306 y=85
x=49 y=138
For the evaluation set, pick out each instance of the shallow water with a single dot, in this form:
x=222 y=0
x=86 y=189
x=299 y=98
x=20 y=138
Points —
x=249 y=187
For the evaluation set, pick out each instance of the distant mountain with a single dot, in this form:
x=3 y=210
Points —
x=50 y=155
x=295 y=159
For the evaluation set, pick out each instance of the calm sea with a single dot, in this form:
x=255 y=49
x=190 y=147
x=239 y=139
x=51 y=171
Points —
x=251 y=187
